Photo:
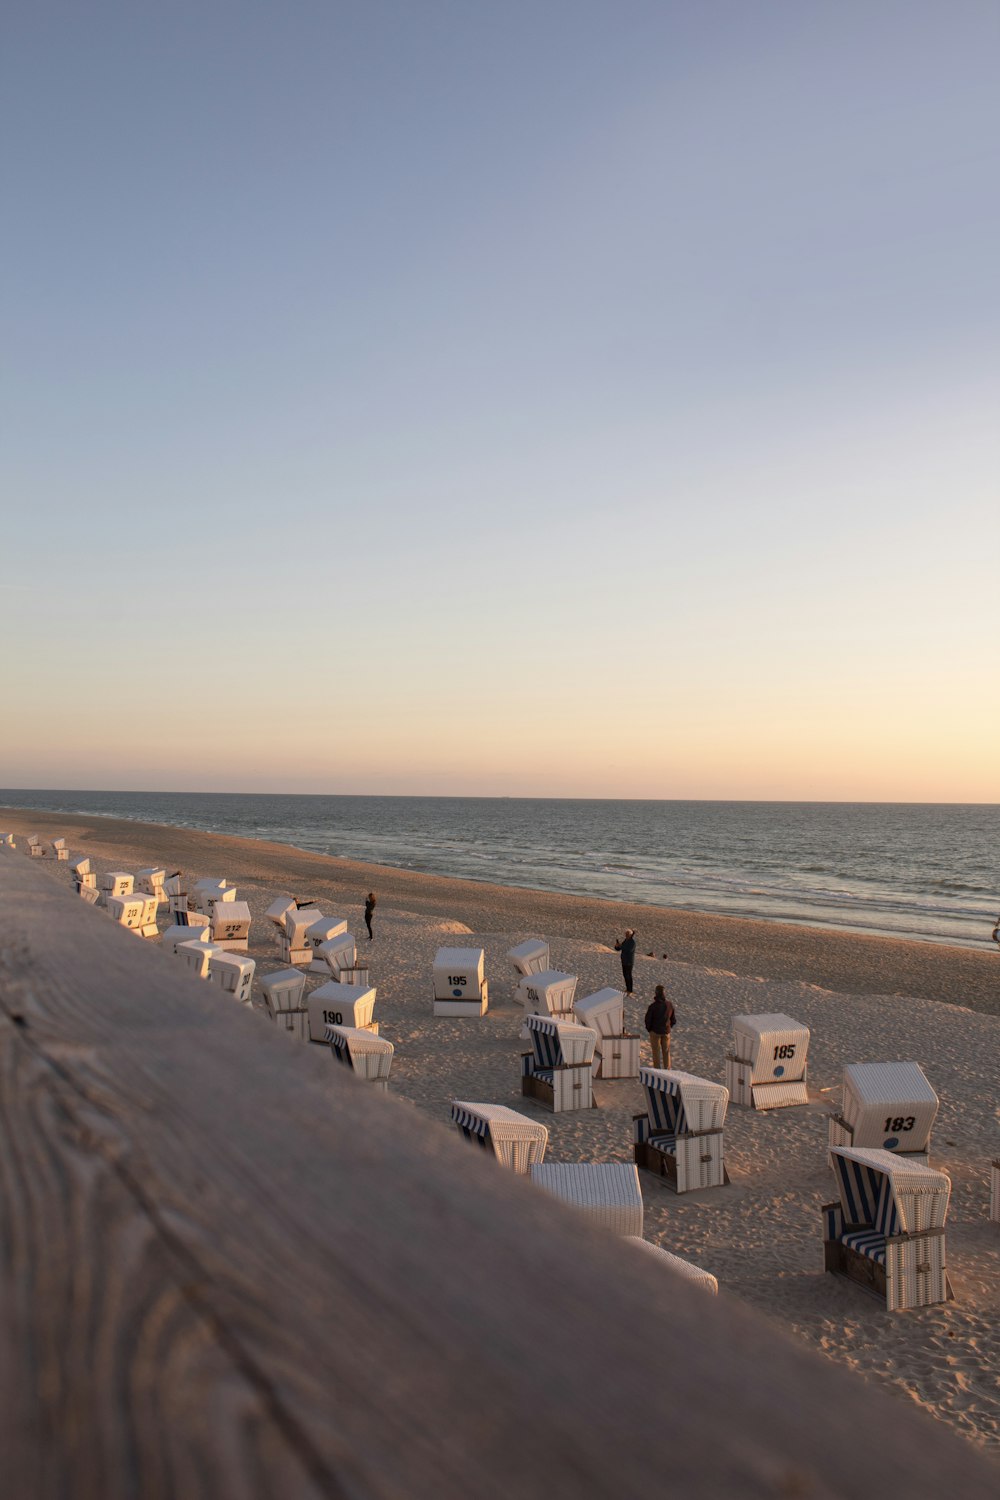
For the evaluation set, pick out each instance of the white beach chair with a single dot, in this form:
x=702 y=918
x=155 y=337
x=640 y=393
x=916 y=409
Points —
x=680 y=1137
x=547 y=993
x=175 y=890
x=335 y=1004
x=182 y=933
x=232 y=972
x=887 y=1231
x=767 y=1066
x=530 y=957
x=336 y=955
x=81 y=866
x=150 y=882
x=276 y=911
x=197 y=956
x=558 y=1070
x=115 y=883
x=59 y=849
x=368 y=1056
x=283 y=993
x=515 y=1141
x=678 y=1267
x=136 y=912
x=231 y=925
x=33 y=846
x=617 y=1053
x=890 y=1106
x=607 y=1192
x=318 y=933
x=88 y=893
x=460 y=988
x=208 y=894
x=295 y=946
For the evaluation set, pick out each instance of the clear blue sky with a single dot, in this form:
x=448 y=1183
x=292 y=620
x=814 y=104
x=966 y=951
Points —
x=546 y=398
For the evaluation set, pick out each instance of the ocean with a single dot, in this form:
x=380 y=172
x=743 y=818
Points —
x=902 y=869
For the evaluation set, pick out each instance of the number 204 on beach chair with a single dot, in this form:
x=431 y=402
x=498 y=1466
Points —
x=887 y=1231
x=680 y=1135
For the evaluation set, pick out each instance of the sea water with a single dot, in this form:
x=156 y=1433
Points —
x=902 y=869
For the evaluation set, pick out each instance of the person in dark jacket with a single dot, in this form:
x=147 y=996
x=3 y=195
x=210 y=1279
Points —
x=627 y=950
x=369 y=912
x=659 y=1021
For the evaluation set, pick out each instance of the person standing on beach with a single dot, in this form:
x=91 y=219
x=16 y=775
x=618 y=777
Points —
x=659 y=1020
x=627 y=950
x=369 y=912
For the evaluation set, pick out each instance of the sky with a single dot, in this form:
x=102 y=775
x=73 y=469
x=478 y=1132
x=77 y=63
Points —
x=550 y=398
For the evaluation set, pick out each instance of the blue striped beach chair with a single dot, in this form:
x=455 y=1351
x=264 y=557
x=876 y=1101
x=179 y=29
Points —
x=887 y=1231
x=680 y=1137
x=367 y=1056
x=558 y=1069
x=889 y=1106
x=515 y=1141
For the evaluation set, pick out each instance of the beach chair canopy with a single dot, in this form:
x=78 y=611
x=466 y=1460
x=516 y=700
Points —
x=530 y=957
x=324 y=929
x=885 y=1194
x=459 y=973
x=549 y=991
x=297 y=921
x=338 y=952
x=230 y=920
x=82 y=865
x=283 y=990
x=350 y=1005
x=776 y=1046
x=276 y=911
x=678 y=1103
x=361 y=1051
x=516 y=1141
x=232 y=972
x=558 y=1044
x=603 y=1011
x=889 y=1105
x=608 y=1192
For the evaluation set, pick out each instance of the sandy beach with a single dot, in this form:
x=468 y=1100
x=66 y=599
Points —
x=864 y=999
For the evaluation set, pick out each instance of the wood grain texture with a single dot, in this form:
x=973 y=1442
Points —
x=230 y=1268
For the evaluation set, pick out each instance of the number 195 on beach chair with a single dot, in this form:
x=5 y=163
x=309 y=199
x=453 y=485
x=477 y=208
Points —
x=460 y=986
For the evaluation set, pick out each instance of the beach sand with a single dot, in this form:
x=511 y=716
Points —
x=864 y=999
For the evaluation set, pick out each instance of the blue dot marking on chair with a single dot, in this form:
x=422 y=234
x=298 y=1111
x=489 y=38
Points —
x=457 y=994
x=891 y=1143
x=778 y=1072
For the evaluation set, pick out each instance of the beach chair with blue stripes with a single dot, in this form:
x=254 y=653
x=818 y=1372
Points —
x=515 y=1141
x=680 y=1137
x=617 y=1051
x=767 y=1066
x=887 y=1231
x=677 y=1266
x=558 y=1070
x=889 y=1106
x=368 y=1057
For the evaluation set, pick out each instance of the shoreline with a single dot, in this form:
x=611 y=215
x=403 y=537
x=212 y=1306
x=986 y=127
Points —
x=848 y=962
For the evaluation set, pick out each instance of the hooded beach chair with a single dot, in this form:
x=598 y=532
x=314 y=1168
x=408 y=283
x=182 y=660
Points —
x=529 y=957
x=889 y=1106
x=515 y=1141
x=548 y=993
x=150 y=882
x=617 y=1053
x=336 y=1004
x=295 y=946
x=182 y=933
x=607 y=1192
x=175 y=890
x=887 y=1231
x=679 y=1267
x=210 y=893
x=368 y=1056
x=197 y=956
x=34 y=846
x=88 y=893
x=460 y=988
x=318 y=933
x=115 y=883
x=767 y=1066
x=137 y=912
x=680 y=1135
x=231 y=925
x=558 y=1069
x=232 y=972
x=276 y=911
x=284 y=993
x=336 y=956
x=59 y=849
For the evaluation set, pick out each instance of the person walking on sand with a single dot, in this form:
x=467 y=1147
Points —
x=369 y=912
x=627 y=950
x=659 y=1020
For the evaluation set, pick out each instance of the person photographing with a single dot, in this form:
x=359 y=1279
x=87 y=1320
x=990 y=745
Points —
x=660 y=1019
x=626 y=947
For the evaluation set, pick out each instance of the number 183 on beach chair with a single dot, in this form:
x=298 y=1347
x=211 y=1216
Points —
x=887 y=1106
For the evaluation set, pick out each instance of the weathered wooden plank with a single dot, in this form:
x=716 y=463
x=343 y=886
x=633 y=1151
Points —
x=230 y=1268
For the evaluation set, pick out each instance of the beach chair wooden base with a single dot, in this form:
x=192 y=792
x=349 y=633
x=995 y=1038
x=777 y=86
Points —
x=571 y=1088
x=618 y=1057
x=698 y=1162
x=913 y=1274
x=460 y=1007
x=36 y=851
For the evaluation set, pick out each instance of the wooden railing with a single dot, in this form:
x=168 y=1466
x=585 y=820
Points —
x=230 y=1269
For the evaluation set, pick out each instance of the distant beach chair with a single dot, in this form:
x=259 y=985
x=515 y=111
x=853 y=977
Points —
x=460 y=986
x=8 y=840
x=547 y=993
x=680 y=1137
x=767 y=1066
x=85 y=878
x=283 y=993
x=318 y=933
x=115 y=883
x=530 y=957
x=607 y=1192
x=150 y=882
x=175 y=890
x=887 y=1231
x=209 y=893
x=231 y=925
x=617 y=1052
x=34 y=847
x=368 y=1056
x=336 y=1004
x=995 y=1191
x=276 y=911
x=232 y=972
x=679 y=1267
x=516 y=1141
x=196 y=956
x=88 y=893
x=137 y=912
x=295 y=946
x=336 y=955
x=81 y=866
x=558 y=1070
x=180 y=933
x=889 y=1106
x=59 y=849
